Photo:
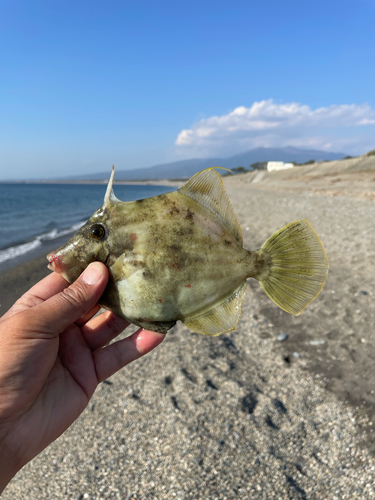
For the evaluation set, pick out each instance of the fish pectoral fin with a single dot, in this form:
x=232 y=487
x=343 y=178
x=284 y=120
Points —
x=298 y=268
x=207 y=188
x=116 y=270
x=124 y=266
x=221 y=319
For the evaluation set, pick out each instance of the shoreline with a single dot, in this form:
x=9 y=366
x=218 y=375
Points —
x=354 y=167
x=150 y=182
x=42 y=250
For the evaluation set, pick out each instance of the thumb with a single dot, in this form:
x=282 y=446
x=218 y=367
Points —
x=63 y=309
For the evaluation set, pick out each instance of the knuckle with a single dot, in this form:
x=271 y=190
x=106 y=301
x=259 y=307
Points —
x=113 y=323
x=74 y=295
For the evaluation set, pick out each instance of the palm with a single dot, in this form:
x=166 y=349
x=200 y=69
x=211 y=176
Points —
x=54 y=375
x=66 y=391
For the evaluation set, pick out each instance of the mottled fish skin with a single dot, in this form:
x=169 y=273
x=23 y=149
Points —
x=168 y=256
x=179 y=256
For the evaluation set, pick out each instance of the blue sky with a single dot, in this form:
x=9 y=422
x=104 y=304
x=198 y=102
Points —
x=84 y=84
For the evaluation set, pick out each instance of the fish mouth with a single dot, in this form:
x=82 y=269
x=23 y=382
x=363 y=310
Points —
x=54 y=262
x=51 y=262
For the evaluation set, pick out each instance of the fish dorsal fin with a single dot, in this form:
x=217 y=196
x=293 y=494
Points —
x=207 y=188
x=109 y=194
x=221 y=319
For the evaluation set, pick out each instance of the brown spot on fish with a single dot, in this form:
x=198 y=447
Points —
x=160 y=301
x=135 y=263
x=190 y=215
x=133 y=237
x=174 y=210
x=175 y=248
x=176 y=266
x=184 y=231
x=147 y=274
x=188 y=286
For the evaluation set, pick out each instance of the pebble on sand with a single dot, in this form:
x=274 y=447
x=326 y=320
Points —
x=282 y=336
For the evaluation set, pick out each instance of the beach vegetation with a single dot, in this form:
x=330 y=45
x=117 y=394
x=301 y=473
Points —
x=239 y=170
x=255 y=166
x=259 y=165
x=371 y=153
x=308 y=162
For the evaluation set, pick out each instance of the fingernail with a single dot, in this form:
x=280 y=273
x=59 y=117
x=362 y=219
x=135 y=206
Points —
x=93 y=274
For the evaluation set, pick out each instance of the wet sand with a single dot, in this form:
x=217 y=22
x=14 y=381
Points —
x=244 y=415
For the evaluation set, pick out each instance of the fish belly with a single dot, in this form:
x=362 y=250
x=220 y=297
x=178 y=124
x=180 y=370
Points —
x=170 y=300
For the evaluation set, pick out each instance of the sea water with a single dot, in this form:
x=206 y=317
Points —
x=33 y=214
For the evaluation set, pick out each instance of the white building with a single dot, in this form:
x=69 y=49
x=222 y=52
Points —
x=278 y=165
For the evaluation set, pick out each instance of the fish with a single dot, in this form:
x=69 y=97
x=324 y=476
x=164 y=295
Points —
x=179 y=256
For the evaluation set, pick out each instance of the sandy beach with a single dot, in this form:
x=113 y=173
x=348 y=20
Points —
x=247 y=414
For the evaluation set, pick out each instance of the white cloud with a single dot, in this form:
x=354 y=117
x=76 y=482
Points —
x=269 y=124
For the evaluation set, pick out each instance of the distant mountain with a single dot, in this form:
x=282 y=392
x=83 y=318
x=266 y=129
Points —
x=186 y=168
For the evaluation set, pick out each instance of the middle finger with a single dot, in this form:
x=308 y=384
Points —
x=87 y=316
x=99 y=331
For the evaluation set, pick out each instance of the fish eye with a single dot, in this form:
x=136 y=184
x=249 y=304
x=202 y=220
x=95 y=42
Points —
x=97 y=231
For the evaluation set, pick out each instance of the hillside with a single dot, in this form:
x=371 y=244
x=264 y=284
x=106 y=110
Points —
x=186 y=168
x=354 y=177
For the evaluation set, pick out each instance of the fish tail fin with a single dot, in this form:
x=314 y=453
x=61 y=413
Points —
x=297 y=266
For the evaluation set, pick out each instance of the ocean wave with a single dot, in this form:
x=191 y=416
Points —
x=18 y=250
x=55 y=233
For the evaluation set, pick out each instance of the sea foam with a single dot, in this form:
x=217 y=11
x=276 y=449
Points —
x=18 y=250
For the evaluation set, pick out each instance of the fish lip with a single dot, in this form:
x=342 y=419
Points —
x=51 y=263
x=54 y=262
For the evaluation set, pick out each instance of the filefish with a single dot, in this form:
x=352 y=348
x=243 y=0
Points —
x=180 y=256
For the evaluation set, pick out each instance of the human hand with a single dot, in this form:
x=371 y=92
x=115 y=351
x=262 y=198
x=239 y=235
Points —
x=53 y=354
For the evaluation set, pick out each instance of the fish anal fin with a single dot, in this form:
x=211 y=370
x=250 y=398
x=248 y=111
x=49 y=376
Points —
x=221 y=319
x=207 y=188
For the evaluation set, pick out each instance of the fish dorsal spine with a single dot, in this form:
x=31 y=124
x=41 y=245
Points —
x=109 y=194
x=207 y=188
